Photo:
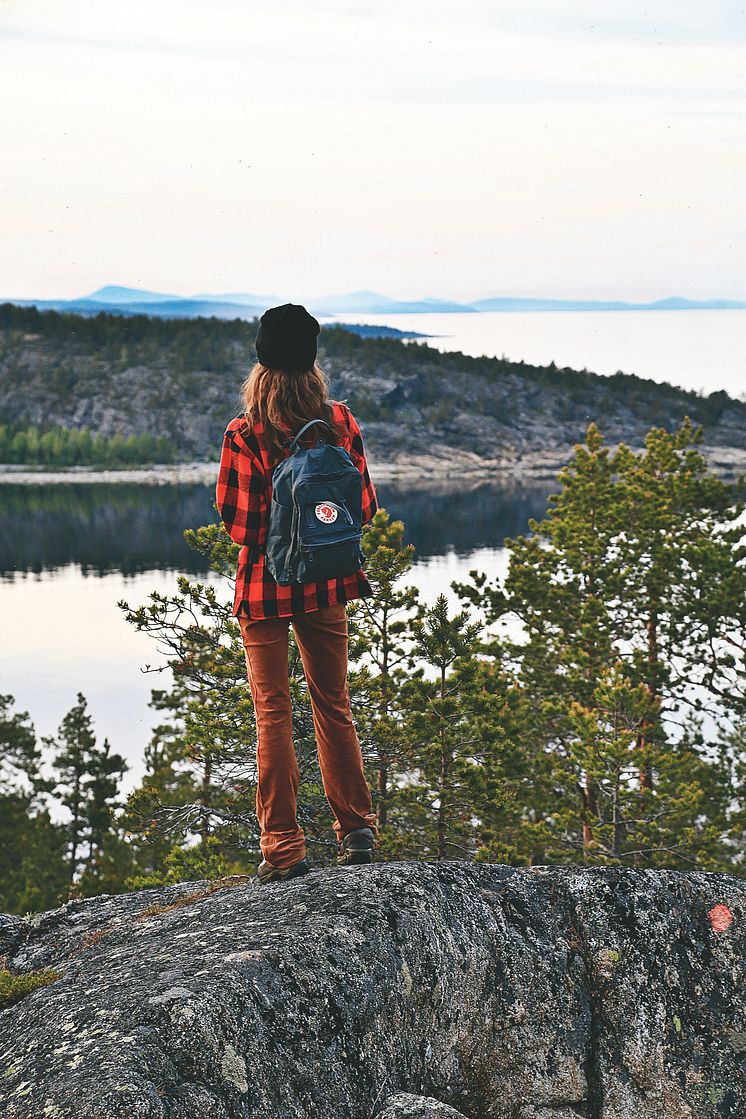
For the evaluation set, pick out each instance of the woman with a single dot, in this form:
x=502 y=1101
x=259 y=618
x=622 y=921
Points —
x=284 y=390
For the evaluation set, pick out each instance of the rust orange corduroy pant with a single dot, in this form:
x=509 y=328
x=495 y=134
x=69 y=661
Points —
x=321 y=636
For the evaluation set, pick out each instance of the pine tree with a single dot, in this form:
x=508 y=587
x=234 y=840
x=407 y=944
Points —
x=557 y=587
x=74 y=743
x=378 y=629
x=637 y=561
x=676 y=821
x=201 y=763
x=681 y=565
x=32 y=866
x=99 y=450
x=110 y=857
x=20 y=756
x=116 y=449
x=437 y=797
x=18 y=447
x=34 y=445
x=84 y=446
x=33 y=862
x=731 y=745
x=168 y=782
x=87 y=779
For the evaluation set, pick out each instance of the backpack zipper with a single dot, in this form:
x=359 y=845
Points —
x=321 y=481
x=288 y=572
x=331 y=543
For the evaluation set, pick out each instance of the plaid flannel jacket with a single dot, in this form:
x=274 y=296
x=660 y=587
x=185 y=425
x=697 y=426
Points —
x=243 y=493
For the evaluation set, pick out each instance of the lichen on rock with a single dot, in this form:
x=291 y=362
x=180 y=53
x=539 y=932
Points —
x=403 y=1105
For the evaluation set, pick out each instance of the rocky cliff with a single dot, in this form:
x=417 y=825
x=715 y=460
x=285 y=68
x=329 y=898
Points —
x=183 y=379
x=397 y=990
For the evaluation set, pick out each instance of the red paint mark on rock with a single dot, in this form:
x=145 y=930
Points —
x=721 y=917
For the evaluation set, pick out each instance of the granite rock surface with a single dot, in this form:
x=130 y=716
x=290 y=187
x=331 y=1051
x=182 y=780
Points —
x=499 y=992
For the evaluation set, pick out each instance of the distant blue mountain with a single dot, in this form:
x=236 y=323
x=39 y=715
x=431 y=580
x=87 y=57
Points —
x=132 y=301
x=113 y=293
x=247 y=299
x=182 y=309
x=168 y=307
x=677 y=304
x=516 y=303
x=372 y=303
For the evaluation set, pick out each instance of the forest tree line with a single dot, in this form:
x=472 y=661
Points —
x=65 y=446
x=587 y=708
x=68 y=358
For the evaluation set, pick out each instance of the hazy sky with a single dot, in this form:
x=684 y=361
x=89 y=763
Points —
x=415 y=148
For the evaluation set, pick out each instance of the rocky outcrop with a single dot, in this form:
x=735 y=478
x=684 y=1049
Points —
x=462 y=414
x=541 y=993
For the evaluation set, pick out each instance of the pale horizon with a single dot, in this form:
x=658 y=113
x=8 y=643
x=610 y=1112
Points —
x=410 y=149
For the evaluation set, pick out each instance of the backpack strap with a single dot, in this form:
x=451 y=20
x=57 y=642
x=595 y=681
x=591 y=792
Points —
x=294 y=442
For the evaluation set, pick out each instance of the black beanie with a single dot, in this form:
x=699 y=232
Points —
x=286 y=338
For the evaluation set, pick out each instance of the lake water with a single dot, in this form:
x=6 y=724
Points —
x=700 y=350
x=70 y=552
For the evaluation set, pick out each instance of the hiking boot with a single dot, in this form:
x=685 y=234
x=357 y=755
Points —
x=267 y=873
x=356 y=847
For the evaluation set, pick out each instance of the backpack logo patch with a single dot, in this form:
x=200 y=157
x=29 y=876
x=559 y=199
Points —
x=326 y=512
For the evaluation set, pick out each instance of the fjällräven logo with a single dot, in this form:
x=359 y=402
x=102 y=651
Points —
x=326 y=513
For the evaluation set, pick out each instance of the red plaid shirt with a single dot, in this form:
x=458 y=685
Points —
x=243 y=494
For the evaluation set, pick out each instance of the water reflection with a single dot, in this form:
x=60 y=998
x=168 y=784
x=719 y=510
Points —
x=444 y=519
x=101 y=528
x=138 y=528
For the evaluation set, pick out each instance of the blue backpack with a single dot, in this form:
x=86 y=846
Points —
x=315 y=517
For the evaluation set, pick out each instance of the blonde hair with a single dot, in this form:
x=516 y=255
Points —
x=273 y=397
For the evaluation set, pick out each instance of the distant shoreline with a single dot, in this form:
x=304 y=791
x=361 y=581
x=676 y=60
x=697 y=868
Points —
x=528 y=466
x=539 y=465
